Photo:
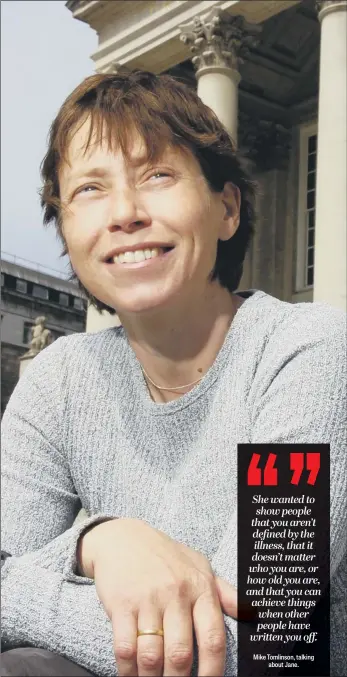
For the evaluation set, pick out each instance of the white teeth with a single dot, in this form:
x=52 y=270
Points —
x=137 y=256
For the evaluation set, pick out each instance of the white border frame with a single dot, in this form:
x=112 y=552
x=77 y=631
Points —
x=306 y=130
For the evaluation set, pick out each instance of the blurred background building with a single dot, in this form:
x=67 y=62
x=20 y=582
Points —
x=29 y=290
x=274 y=72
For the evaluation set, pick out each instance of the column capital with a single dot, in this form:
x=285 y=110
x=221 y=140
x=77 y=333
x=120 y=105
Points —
x=264 y=142
x=219 y=39
x=325 y=7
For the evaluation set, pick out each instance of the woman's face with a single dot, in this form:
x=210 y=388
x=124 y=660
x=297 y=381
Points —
x=138 y=235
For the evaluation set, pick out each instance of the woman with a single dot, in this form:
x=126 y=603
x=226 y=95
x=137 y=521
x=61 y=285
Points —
x=140 y=424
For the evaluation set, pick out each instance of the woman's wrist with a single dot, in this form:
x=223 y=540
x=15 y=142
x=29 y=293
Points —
x=87 y=546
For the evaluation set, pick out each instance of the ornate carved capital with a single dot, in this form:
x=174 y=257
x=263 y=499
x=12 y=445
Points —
x=265 y=143
x=326 y=6
x=219 y=39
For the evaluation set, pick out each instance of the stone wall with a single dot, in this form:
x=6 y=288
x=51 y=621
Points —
x=9 y=371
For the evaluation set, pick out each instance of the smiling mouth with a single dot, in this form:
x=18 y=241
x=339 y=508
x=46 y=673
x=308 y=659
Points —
x=140 y=256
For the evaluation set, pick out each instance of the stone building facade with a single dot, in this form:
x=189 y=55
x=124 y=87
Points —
x=274 y=71
x=26 y=294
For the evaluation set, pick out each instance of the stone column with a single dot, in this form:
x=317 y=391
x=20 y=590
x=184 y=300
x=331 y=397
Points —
x=97 y=321
x=331 y=213
x=218 y=41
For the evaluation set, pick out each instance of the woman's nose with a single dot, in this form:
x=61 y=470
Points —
x=125 y=212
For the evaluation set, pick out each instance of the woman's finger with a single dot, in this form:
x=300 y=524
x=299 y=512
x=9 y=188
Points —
x=124 y=624
x=150 y=648
x=178 y=639
x=227 y=596
x=210 y=634
x=232 y=604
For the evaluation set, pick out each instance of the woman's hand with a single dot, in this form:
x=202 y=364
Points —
x=147 y=581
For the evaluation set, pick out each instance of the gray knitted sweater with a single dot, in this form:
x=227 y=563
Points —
x=81 y=430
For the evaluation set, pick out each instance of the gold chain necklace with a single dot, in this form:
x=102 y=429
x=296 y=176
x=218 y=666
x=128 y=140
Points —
x=193 y=382
x=176 y=388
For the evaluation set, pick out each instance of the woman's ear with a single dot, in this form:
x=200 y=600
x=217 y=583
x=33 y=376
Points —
x=231 y=200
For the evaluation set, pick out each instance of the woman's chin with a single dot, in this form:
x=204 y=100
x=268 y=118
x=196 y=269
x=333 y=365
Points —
x=139 y=305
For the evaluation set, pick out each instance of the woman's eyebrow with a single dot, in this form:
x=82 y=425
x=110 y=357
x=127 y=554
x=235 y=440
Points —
x=103 y=172
x=92 y=173
x=99 y=172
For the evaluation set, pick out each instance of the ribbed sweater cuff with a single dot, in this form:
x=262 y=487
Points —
x=70 y=571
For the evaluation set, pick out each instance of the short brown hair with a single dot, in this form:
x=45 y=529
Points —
x=164 y=111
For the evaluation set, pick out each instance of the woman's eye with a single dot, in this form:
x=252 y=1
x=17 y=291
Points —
x=86 y=189
x=83 y=190
x=159 y=174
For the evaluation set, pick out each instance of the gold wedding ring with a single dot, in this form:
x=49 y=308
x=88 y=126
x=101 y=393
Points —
x=150 y=632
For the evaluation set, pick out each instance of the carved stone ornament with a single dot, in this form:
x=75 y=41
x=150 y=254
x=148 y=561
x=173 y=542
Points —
x=265 y=143
x=40 y=337
x=219 y=39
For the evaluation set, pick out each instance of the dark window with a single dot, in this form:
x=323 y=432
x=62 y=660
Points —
x=311 y=217
x=310 y=256
x=21 y=286
x=310 y=206
x=64 y=300
x=311 y=199
x=27 y=332
x=78 y=303
x=311 y=237
x=311 y=163
x=311 y=180
x=2 y=279
x=40 y=292
x=310 y=276
x=312 y=143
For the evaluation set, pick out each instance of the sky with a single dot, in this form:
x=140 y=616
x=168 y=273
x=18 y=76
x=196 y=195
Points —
x=45 y=54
